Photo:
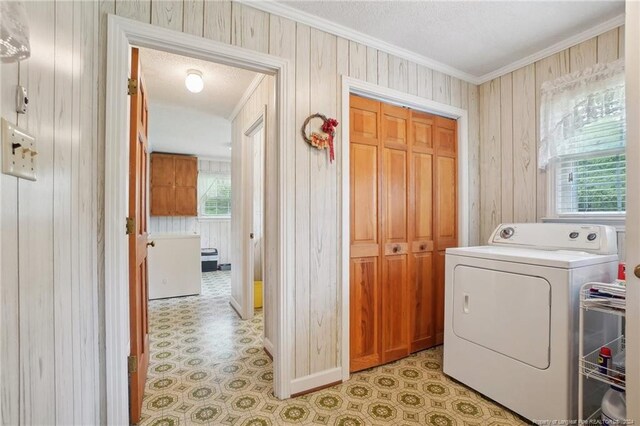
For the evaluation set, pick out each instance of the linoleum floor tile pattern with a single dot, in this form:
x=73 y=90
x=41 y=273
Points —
x=208 y=367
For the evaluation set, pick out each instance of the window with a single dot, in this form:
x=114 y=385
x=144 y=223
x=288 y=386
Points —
x=214 y=195
x=583 y=133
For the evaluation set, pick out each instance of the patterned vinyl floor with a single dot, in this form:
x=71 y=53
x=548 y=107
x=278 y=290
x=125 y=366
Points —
x=207 y=367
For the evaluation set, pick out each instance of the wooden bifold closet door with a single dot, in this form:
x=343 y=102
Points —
x=403 y=216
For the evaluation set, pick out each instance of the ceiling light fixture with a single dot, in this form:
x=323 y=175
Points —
x=194 y=81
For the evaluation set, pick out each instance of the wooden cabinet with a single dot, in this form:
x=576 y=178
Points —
x=403 y=178
x=174 y=185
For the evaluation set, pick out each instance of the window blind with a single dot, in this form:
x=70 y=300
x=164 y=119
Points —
x=214 y=194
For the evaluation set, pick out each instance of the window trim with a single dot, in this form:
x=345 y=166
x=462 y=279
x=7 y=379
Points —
x=201 y=215
x=614 y=219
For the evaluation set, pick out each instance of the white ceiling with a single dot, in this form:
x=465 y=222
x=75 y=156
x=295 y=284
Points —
x=191 y=123
x=188 y=131
x=475 y=37
x=164 y=74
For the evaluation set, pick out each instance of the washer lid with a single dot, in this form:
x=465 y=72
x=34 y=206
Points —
x=566 y=259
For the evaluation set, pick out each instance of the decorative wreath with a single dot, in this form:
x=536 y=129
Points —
x=321 y=140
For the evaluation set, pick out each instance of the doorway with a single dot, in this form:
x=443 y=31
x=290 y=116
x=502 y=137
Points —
x=122 y=35
x=255 y=140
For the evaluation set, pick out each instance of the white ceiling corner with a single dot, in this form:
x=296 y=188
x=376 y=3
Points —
x=475 y=41
x=192 y=123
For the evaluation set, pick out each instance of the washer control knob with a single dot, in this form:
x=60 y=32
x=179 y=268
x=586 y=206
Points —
x=592 y=236
x=574 y=235
x=507 y=233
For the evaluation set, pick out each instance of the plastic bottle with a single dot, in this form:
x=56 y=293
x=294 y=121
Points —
x=614 y=407
x=604 y=360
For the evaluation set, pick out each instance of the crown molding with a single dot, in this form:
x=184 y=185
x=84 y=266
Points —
x=322 y=24
x=246 y=95
x=330 y=27
x=555 y=48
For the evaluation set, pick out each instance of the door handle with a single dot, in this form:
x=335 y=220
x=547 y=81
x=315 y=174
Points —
x=465 y=306
x=251 y=235
x=636 y=271
x=151 y=243
x=396 y=249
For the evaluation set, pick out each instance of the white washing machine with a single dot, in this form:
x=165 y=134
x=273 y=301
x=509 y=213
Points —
x=511 y=313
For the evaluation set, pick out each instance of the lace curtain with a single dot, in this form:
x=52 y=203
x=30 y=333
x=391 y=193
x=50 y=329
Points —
x=582 y=112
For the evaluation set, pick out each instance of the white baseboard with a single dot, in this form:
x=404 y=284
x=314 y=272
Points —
x=235 y=305
x=316 y=380
x=268 y=346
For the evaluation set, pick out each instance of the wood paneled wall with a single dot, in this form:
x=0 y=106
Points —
x=55 y=310
x=262 y=99
x=49 y=346
x=512 y=187
x=213 y=232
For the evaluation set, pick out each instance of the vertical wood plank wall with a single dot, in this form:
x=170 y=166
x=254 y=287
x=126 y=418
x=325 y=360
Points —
x=55 y=310
x=512 y=187
x=49 y=345
x=263 y=96
x=214 y=233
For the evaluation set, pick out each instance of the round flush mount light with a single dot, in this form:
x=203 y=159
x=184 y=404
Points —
x=194 y=81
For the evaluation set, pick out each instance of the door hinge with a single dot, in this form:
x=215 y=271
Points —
x=133 y=86
x=131 y=225
x=132 y=361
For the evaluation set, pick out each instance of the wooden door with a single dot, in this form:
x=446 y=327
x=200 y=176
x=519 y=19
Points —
x=186 y=186
x=421 y=258
x=364 y=340
x=138 y=280
x=163 y=191
x=403 y=184
x=446 y=207
x=394 y=129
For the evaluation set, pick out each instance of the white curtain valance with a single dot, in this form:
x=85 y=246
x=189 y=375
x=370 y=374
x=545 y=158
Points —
x=582 y=112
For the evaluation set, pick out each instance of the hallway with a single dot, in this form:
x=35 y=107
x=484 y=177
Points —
x=208 y=367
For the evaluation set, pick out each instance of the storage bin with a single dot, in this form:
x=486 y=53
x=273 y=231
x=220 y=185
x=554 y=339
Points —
x=257 y=294
x=209 y=258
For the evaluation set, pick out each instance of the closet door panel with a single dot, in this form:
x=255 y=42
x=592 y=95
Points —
x=422 y=131
x=422 y=195
x=363 y=120
x=422 y=299
x=395 y=126
x=446 y=210
x=365 y=335
x=364 y=321
x=446 y=136
x=364 y=200
x=446 y=204
x=395 y=192
x=395 y=268
x=421 y=267
x=395 y=322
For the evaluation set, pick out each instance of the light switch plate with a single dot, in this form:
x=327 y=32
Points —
x=19 y=154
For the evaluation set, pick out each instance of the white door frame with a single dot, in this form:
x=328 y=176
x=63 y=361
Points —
x=373 y=91
x=122 y=34
x=246 y=194
x=632 y=228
